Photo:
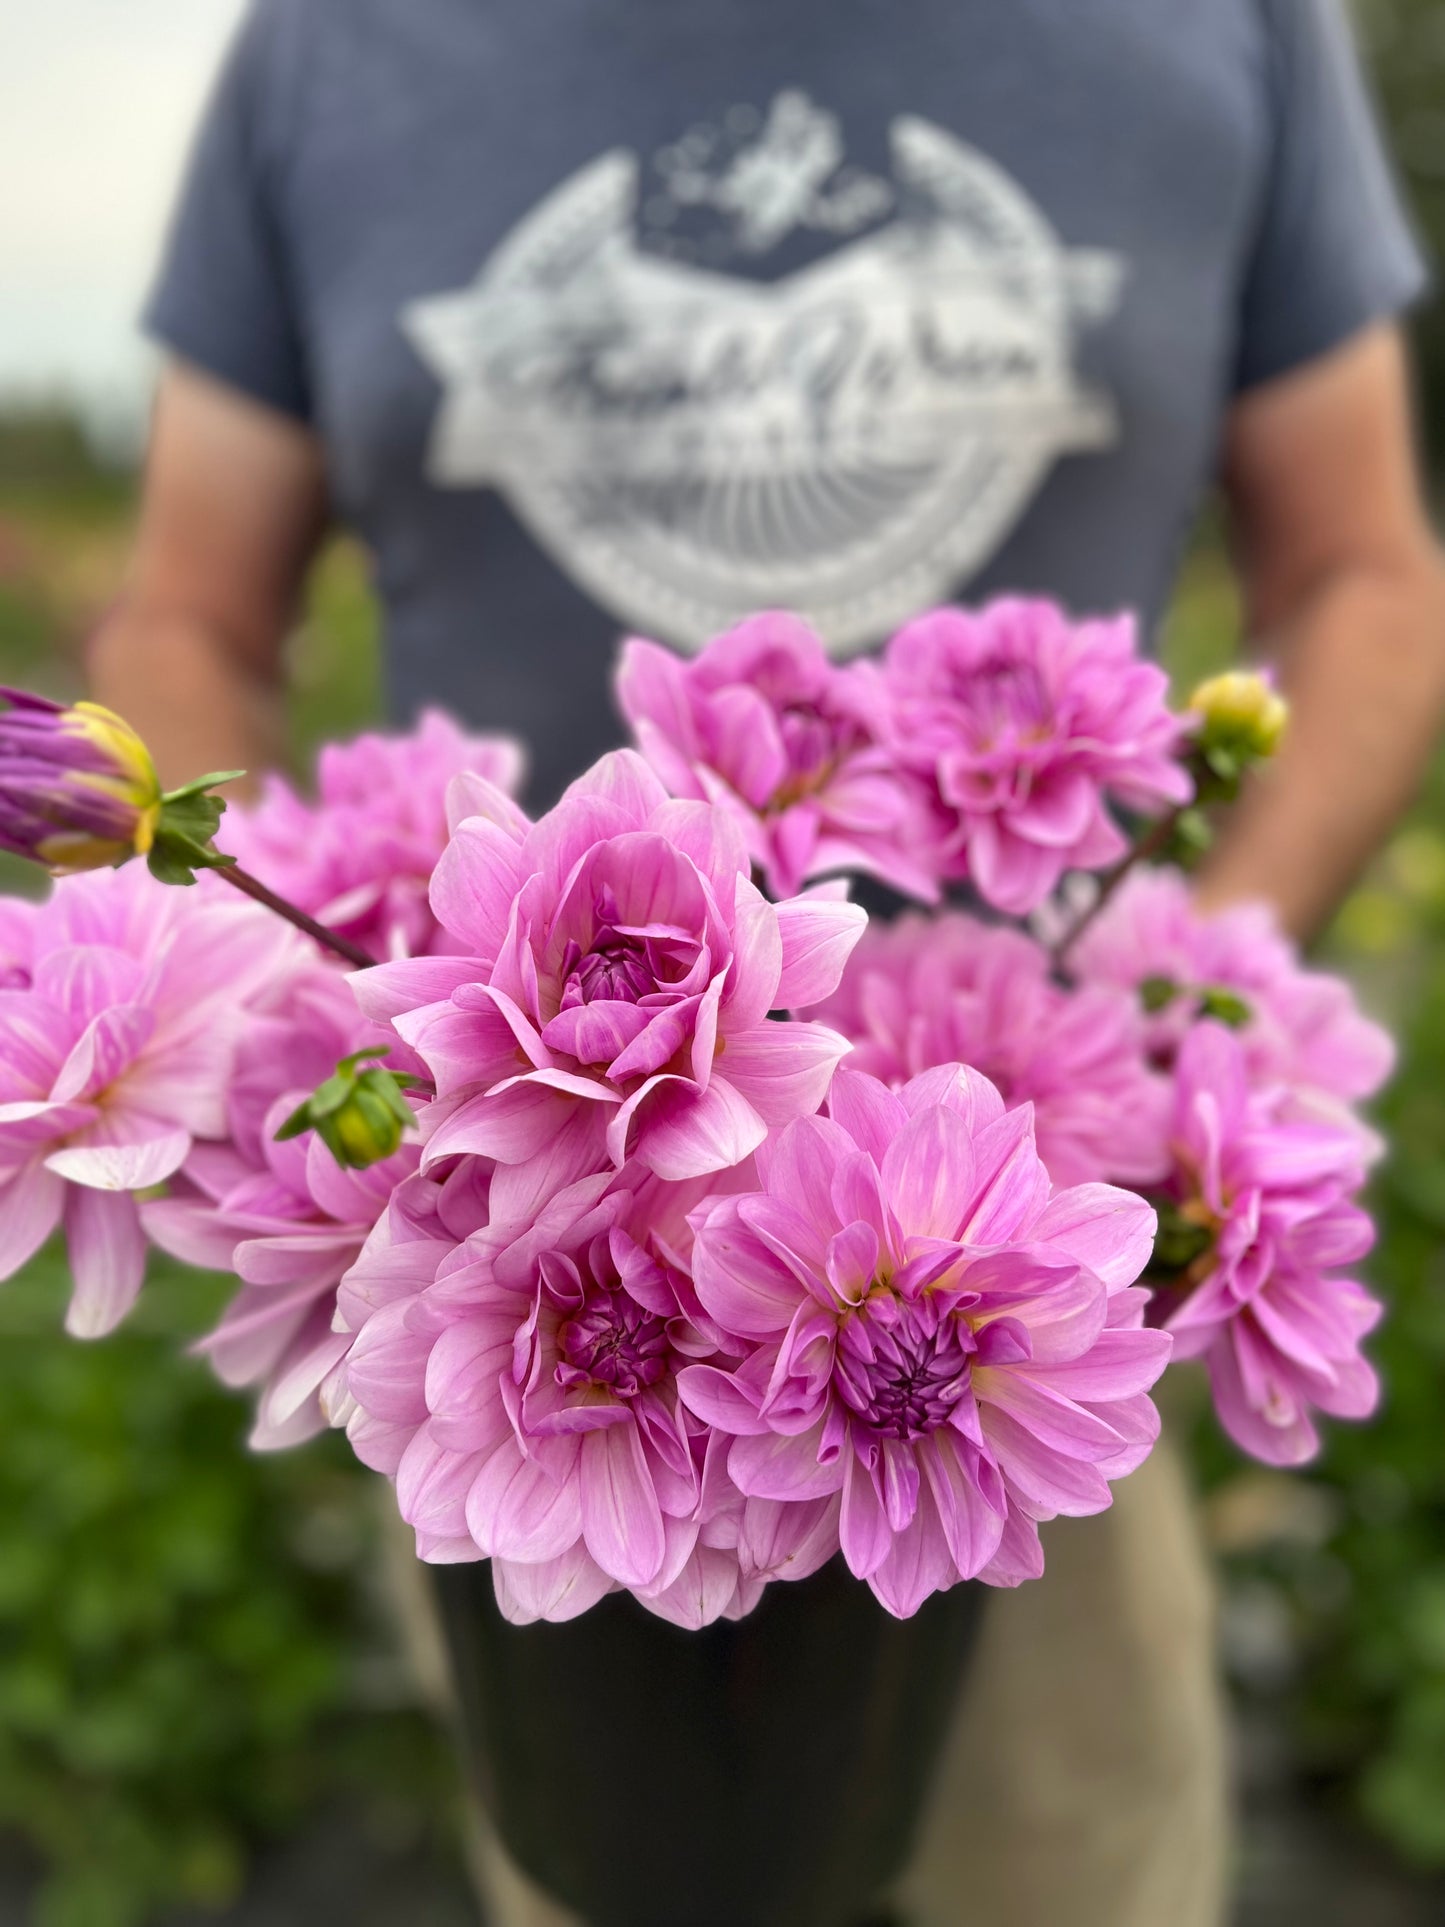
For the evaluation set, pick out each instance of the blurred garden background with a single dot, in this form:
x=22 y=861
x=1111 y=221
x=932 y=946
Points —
x=202 y=1705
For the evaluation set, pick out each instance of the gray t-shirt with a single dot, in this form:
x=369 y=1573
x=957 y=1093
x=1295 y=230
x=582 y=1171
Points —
x=632 y=314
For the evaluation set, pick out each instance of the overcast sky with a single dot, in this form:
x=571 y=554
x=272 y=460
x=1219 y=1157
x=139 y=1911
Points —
x=97 y=102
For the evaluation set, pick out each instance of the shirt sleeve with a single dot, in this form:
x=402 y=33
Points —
x=1333 y=249
x=224 y=296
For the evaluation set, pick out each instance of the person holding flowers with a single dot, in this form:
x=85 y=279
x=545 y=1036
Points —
x=528 y=449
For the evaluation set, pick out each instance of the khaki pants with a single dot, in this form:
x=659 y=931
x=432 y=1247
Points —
x=1084 y=1780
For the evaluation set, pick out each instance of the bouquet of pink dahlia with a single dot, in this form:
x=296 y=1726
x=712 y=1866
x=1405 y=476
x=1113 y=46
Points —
x=652 y=1217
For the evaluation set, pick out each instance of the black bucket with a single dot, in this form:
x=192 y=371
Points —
x=767 y=1773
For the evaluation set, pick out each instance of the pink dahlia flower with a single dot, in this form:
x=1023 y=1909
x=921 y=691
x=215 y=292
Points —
x=118 y=1032
x=520 y=1386
x=1027 y=725
x=1300 y=1028
x=942 y=990
x=928 y=1333
x=764 y=725
x=360 y=857
x=613 y=999
x=285 y=1217
x=1279 y=1330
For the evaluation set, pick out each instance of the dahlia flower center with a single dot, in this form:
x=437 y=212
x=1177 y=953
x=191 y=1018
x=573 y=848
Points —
x=900 y=1368
x=811 y=745
x=613 y=1342
x=616 y=968
x=1005 y=700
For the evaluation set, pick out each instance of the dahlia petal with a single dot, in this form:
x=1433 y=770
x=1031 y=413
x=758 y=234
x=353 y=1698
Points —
x=1108 y=1230
x=289 y=1410
x=744 y=1284
x=818 y=936
x=971 y=1527
x=797 y=1166
x=784 y=1069
x=107 y=1259
x=778 y=1466
x=432 y=1483
x=1020 y=1557
x=474 y=883
x=1284 y=1436
x=553 y=1589
x=867 y=1110
x=386 y=991
x=707 y=837
x=650 y=685
x=88 y=978
x=621 y=1518
x=469 y=793
x=122 y=1167
x=108 y=1046
x=1054 y=1419
x=928 y=1174
x=312 y=1255
x=1058 y=811
x=1012 y=1184
x=686 y=1133
x=510 y=1125
x=916 y=1565
x=386 y=1368
x=787 y=1540
x=1011 y=874
x=754 y=982
x=520 y=1191
x=701 y=1593
x=719 y=1400
x=477 y=1044
x=1063 y=1320
x=622 y=780
x=516 y=1510
x=254 y=1331
x=1116 y=1365
x=863 y=1531
x=30 y=1207
x=1051 y=1482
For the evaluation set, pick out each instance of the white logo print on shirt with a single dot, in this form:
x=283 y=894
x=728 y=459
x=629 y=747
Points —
x=852 y=441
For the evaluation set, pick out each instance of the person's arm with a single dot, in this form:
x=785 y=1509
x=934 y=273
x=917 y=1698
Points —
x=234 y=506
x=1345 y=592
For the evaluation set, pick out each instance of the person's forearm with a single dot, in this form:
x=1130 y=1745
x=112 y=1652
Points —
x=193 y=700
x=1364 y=668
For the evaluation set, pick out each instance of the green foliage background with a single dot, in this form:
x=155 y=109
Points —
x=191 y=1656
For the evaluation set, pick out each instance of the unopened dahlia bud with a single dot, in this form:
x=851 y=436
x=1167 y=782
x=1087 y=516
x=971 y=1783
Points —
x=78 y=789
x=1243 y=716
x=360 y=1115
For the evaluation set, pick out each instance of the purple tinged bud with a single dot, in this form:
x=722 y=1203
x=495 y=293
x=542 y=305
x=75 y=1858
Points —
x=78 y=789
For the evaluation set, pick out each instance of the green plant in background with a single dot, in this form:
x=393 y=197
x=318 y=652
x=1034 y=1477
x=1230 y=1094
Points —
x=182 y=1626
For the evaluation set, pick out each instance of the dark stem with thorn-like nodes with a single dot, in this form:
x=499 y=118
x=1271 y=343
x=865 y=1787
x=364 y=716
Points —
x=240 y=880
x=1154 y=842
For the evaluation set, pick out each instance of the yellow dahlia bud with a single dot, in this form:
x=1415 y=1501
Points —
x=78 y=789
x=1243 y=715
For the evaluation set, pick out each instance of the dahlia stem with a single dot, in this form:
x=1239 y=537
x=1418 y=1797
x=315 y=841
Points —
x=249 y=886
x=1154 y=841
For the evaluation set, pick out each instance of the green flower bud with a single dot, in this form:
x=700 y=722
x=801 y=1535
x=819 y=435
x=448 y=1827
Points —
x=1227 y=1006
x=360 y=1115
x=1185 y=1237
x=1157 y=993
x=1242 y=718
